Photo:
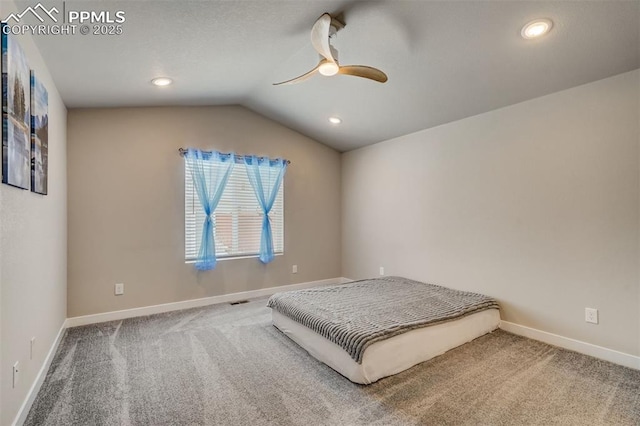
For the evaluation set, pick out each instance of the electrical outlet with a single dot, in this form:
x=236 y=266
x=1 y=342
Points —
x=591 y=315
x=119 y=289
x=16 y=375
x=382 y=270
x=294 y=269
x=32 y=347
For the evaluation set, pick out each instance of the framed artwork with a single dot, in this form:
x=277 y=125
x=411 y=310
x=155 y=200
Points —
x=16 y=115
x=39 y=136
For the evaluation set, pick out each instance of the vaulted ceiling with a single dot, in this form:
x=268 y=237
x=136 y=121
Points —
x=446 y=60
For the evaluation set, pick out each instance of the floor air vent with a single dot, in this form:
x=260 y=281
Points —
x=239 y=302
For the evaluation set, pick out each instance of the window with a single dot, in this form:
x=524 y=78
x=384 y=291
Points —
x=238 y=218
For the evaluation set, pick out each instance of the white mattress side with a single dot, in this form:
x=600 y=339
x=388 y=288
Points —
x=390 y=356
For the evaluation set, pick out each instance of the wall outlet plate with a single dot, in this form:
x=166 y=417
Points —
x=119 y=289
x=591 y=315
x=294 y=269
x=32 y=347
x=382 y=270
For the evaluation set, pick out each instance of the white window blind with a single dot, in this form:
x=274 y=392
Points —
x=238 y=218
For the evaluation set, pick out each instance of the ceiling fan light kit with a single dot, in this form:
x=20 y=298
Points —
x=327 y=68
x=322 y=33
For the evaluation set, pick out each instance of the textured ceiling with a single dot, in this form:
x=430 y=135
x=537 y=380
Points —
x=446 y=60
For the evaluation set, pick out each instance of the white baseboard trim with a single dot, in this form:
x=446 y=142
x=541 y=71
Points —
x=196 y=303
x=596 y=351
x=23 y=412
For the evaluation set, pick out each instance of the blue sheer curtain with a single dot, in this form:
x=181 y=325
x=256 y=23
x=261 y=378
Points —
x=210 y=172
x=265 y=176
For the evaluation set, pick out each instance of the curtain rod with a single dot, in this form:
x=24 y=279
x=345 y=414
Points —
x=183 y=151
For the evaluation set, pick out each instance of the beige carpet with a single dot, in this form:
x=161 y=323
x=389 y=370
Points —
x=226 y=365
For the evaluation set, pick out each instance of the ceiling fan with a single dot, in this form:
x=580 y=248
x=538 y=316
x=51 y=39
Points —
x=322 y=33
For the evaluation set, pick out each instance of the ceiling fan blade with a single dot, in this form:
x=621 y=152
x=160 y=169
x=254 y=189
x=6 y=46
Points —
x=320 y=37
x=363 y=71
x=300 y=78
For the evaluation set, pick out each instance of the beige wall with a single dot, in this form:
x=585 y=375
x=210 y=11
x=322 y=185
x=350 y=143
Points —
x=126 y=205
x=535 y=204
x=33 y=256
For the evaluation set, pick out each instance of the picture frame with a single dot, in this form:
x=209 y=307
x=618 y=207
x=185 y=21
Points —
x=39 y=136
x=16 y=114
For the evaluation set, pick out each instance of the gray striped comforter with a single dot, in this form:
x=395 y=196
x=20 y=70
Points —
x=360 y=313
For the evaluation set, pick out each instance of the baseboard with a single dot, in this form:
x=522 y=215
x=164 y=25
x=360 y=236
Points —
x=23 y=412
x=196 y=303
x=596 y=351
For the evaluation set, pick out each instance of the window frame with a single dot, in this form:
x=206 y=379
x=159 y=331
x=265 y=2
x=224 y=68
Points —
x=222 y=257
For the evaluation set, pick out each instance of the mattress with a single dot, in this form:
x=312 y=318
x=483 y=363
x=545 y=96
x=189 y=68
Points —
x=390 y=356
x=360 y=313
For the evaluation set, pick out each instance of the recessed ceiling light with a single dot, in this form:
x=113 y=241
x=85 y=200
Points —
x=536 y=28
x=161 y=81
x=335 y=120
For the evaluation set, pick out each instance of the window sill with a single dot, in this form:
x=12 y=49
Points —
x=249 y=256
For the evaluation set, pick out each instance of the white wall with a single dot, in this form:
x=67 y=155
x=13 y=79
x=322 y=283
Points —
x=33 y=256
x=536 y=204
